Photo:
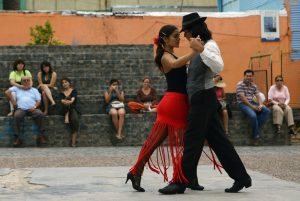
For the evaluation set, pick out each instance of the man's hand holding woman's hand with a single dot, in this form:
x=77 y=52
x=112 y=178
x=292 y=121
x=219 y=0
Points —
x=197 y=44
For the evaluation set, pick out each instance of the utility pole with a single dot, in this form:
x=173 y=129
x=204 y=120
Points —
x=181 y=5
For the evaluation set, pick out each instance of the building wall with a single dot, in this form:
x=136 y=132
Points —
x=238 y=38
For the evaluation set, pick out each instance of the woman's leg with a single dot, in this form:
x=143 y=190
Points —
x=114 y=116
x=13 y=94
x=158 y=134
x=46 y=103
x=225 y=121
x=67 y=118
x=74 y=124
x=277 y=115
x=288 y=114
x=48 y=93
x=121 y=114
x=73 y=139
x=277 y=118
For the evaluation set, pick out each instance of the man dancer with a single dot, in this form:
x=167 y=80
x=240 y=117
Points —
x=203 y=120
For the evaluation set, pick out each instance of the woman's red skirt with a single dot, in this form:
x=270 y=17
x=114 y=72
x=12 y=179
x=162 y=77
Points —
x=166 y=137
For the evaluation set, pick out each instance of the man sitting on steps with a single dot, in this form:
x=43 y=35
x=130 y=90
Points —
x=27 y=101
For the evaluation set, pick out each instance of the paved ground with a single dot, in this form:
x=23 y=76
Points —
x=98 y=173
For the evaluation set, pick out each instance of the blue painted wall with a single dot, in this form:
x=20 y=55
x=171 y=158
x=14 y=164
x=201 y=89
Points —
x=244 y=5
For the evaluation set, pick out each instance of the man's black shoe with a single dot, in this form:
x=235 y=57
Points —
x=172 y=188
x=237 y=186
x=193 y=185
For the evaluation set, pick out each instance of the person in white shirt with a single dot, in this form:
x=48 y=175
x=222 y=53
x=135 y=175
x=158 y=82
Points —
x=27 y=101
x=203 y=120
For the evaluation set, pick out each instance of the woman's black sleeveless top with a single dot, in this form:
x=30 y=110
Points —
x=177 y=79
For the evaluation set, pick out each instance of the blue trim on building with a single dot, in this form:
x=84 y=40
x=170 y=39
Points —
x=295 y=29
x=23 y=5
x=220 y=5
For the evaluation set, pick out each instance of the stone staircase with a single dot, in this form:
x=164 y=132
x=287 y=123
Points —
x=90 y=68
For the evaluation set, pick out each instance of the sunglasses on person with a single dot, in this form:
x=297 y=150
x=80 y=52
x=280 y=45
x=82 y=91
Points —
x=279 y=80
x=25 y=80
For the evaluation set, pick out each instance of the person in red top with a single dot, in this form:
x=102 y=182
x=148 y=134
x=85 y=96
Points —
x=219 y=83
x=146 y=99
x=172 y=113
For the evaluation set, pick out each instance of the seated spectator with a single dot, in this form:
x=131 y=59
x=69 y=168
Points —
x=47 y=79
x=15 y=76
x=26 y=103
x=68 y=98
x=280 y=97
x=219 y=83
x=114 y=97
x=146 y=99
x=256 y=112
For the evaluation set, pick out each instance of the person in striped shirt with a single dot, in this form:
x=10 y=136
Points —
x=255 y=111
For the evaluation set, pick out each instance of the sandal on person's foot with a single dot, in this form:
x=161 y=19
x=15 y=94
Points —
x=118 y=137
x=278 y=130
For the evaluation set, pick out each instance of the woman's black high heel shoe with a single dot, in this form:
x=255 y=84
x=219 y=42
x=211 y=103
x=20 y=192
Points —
x=136 y=182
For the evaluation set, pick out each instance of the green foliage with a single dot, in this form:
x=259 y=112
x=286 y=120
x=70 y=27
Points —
x=43 y=35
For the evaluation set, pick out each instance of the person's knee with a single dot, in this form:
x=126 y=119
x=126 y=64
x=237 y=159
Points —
x=44 y=94
x=44 y=87
x=121 y=113
x=266 y=110
x=113 y=113
x=251 y=115
x=288 y=109
x=18 y=114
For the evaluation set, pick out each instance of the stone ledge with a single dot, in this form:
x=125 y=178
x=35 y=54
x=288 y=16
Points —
x=97 y=130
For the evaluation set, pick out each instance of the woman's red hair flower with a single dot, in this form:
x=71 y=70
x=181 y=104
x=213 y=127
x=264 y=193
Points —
x=156 y=40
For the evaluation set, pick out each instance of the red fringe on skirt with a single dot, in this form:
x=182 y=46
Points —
x=166 y=137
x=172 y=148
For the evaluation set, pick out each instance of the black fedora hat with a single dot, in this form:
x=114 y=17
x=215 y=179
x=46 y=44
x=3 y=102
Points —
x=191 y=19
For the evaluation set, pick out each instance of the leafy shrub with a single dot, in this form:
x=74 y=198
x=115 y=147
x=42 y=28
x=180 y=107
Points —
x=43 y=35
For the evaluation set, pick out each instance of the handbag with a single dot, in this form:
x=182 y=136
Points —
x=117 y=104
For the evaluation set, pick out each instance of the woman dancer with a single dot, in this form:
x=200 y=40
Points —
x=172 y=111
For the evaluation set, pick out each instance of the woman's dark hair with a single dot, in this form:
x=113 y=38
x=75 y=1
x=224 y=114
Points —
x=165 y=31
x=248 y=71
x=202 y=31
x=147 y=78
x=66 y=79
x=278 y=76
x=19 y=61
x=114 y=80
x=44 y=64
